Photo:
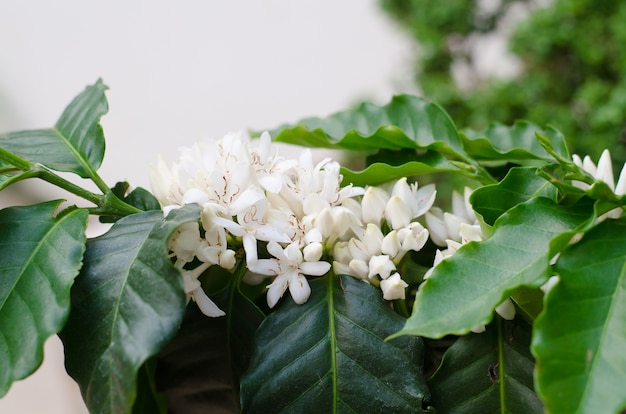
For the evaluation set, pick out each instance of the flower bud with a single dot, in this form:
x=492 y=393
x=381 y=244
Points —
x=393 y=287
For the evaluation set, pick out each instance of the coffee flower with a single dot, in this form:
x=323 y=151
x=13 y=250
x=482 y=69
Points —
x=603 y=172
x=251 y=196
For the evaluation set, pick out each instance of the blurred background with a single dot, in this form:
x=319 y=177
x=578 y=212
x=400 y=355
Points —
x=179 y=72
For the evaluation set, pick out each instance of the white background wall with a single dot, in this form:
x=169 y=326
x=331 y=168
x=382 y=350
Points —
x=178 y=72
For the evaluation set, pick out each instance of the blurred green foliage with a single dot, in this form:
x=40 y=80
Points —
x=573 y=56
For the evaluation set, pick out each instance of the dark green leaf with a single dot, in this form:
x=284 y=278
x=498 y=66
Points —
x=512 y=143
x=75 y=144
x=149 y=399
x=40 y=255
x=463 y=290
x=126 y=305
x=221 y=346
x=329 y=355
x=579 y=339
x=520 y=185
x=490 y=372
x=406 y=122
x=194 y=368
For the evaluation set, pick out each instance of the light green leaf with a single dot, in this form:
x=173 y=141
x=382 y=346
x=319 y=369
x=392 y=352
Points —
x=406 y=122
x=40 y=255
x=579 y=339
x=382 y=172
x=490 y=372
x=329 y=355
x=463 y=290
x=520 y=185
x=512 y=143
x=126 y=305
x=75 y=144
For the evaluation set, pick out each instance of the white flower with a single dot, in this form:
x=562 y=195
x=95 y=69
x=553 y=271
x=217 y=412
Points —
x=447 y=226
x=373 y=204
x=195 y=291
x=289 y=270
x=603 y=172
x=380 y=265
x=393 y=287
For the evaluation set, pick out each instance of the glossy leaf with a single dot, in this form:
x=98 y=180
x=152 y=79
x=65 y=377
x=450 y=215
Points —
x=520 y=185
x=382 y=172
x=75 y=144
x=490 y=372
x=40 y=255
x=512 y=143
x=126 y=305
x=463 y=290
x=406 y=122
x=149 y=398
x=194 y=369
x=219 y=346
x=579 y=339
x=329 y=355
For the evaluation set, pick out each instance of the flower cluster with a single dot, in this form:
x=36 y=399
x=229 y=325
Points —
x=297 y=209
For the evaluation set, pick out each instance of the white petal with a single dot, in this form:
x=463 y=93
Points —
x=374 y=201
x=358 y=268
x=589 y=166
x=299 y=288
x=453 y=225
x=167 y=209
x=313 y=252
x=397 y=213
x=605 y=169
x=315 y=268
x=205 y=304
x=436 y=226
x=506 y=309
x=276 y=290
x=470 y=233
x=425 y=198
x=380 y=265
x=390 y=244
x=195 y=196
x=620 y=188
x=479 y=329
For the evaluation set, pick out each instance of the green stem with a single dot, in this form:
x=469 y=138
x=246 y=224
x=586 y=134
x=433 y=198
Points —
x=14 y=160
x=48 y=176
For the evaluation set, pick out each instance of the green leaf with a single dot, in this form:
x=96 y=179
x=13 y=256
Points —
x=195 y=370
x=221 y=346
x=512 y=143
x=149 y=398
x=329 y=355
x=463 y=290
x=406 y=122
x=75 y=144
x=138 y=197
x=382 y=172
x=40 y=255
x=520 y=185
x=126 y=305
x=579 y=339
x=490 y=372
